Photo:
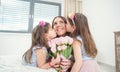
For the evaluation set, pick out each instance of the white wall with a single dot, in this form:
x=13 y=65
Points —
x=14 y=44
x=104 y=20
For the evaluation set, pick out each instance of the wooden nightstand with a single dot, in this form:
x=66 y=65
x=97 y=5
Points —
x=117 y=50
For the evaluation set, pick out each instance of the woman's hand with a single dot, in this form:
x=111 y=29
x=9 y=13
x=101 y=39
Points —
x=65 y=64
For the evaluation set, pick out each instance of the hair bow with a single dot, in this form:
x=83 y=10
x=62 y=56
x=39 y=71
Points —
x=71 y=16
x=42 y=23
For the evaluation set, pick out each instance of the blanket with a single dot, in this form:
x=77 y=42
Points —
x=12 y=63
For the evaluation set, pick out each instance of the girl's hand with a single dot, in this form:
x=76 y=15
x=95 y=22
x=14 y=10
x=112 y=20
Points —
x=56 y=66
x=55 y=60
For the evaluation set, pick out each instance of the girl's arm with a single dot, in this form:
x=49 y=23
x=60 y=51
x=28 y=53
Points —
x=41 y=59
x=77 y=56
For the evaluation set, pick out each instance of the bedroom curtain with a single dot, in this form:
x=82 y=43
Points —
x=72 y=6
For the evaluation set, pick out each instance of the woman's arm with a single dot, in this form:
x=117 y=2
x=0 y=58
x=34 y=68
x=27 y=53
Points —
x=77 y=56
x=41 y=59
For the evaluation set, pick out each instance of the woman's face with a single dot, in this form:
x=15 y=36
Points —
x=59 y=26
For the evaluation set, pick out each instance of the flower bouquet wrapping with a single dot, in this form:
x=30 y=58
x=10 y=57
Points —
x=61 y=45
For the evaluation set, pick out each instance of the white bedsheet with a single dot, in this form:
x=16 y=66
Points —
x=12 y=63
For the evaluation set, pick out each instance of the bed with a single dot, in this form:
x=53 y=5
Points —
x=12 y=63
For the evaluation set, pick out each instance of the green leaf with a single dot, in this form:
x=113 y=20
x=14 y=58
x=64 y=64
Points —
x=53 y=55
x=67 y=52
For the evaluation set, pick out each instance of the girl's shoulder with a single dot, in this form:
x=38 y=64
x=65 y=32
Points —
x=37 y=48
x=79 y=38
x=76 y=41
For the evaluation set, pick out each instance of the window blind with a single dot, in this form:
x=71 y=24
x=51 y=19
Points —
x=23 y=15
x=45 y=12
x=14 y=15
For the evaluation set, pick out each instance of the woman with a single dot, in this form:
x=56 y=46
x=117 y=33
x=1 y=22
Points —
x=59 y=25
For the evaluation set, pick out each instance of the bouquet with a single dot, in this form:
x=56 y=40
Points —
x=61 y=45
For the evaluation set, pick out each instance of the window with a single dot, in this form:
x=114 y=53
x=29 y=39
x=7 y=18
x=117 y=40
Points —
x=23 y=15
x=44 y=12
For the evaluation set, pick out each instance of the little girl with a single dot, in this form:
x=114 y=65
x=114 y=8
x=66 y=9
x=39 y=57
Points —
x=37 y=55
x=78 y=27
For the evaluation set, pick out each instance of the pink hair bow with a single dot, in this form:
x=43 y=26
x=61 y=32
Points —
x=71 y=15
x=42 y=23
